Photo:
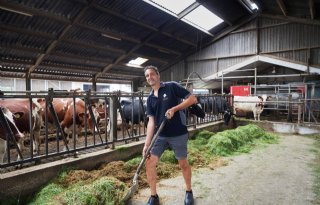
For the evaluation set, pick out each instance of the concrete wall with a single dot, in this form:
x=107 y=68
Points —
x=283 y=127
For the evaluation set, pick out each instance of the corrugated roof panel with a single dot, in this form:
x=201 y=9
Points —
x=17 y=55
x=84 y=51
x=183 y=30
x=85 y=72
x=67 y=9
x=108 y=22
x=67 y=65
x=138 y=10
x=27 y=41
x=96 y=38
x=153 y=52
x=169 y=43
x=69 y=61
x=13 y=67
x=35 y=23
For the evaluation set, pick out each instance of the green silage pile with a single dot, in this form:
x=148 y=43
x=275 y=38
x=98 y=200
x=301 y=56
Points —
x=105 y=190
x=242 y=139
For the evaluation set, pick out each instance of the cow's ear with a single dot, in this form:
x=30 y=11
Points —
x=18 y=115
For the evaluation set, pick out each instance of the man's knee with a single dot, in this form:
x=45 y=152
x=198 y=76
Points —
x=151 y=162
x=184 y=164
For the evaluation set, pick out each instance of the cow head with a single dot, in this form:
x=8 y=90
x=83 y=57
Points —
x=11 y=119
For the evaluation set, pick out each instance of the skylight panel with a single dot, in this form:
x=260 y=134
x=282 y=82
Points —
x=254 y=6
x=190 y=12
x=202 y=18
x=137 y=62
x=172 y=5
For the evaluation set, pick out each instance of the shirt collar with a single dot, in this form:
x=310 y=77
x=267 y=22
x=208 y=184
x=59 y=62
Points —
x=162 y=84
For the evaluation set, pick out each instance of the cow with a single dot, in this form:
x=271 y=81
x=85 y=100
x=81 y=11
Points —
x=64 y=109
x=20 y=108
x=17 y=135
x=101 y=107
x=253 y=104
x=133 y=112
x=206 y=103
x=217 y=105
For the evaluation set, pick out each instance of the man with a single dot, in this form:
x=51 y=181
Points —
x=165 y=100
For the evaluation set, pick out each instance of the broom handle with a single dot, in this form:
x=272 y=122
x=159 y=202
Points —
x=153 y=141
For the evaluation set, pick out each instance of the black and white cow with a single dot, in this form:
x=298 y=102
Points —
x=17 y=135
x=133 y=112
x=216 y=105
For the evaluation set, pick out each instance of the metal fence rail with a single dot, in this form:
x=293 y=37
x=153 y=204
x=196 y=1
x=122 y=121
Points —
x=56 y=143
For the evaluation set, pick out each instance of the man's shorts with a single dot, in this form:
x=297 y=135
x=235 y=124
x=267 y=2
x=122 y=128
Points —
x=178 y=144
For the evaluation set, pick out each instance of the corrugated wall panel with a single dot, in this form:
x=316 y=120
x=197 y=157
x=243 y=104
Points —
x=175 y=73
x=315 y=59
x=289 y=37
x=286 y=40
x=203 y=68
x=235 y=44
x=166 y=75
x=227 y=62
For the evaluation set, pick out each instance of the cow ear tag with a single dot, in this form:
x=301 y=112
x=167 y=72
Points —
x=18 y=115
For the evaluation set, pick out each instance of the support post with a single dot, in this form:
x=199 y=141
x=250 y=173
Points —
x=113 y=120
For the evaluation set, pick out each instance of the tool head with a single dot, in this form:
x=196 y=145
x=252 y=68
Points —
x=131 y=191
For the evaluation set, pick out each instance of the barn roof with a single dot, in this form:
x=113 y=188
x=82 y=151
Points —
x=82 y=40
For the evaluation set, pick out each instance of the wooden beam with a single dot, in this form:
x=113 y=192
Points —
x=292 y=19
x=312 y=9
x=282 y=7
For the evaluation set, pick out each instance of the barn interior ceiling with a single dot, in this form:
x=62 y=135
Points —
x=93 y=40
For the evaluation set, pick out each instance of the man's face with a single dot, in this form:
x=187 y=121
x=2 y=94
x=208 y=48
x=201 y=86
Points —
x=152 y=77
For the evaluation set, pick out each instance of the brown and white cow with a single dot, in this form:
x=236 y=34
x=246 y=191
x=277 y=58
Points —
x=17 y=135
x=64 y=108
x=253 y=104
x=21 y=109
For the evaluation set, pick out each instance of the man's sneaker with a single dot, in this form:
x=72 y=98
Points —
x=153 y=200
x=189 y=198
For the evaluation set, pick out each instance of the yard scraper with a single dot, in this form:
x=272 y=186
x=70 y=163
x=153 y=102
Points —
x=135 y=185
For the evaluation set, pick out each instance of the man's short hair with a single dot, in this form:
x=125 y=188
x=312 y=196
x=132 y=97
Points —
x=151 y=67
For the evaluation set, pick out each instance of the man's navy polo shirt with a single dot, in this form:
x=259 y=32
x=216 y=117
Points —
x=170 y=94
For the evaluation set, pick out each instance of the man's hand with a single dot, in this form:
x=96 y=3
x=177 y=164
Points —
x=144 y=150
x=170 y=112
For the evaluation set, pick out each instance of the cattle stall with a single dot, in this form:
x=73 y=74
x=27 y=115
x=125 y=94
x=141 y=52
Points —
x=55 y=124
x=294 y=102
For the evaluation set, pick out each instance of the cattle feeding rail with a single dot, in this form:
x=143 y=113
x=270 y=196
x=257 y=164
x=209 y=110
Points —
x=298 y=110
x=58 y=124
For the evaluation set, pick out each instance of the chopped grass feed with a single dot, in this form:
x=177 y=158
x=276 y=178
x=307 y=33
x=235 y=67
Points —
x=241 y=139
x=106 y=190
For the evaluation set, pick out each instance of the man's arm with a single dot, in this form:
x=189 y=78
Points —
x=191 y=99
x=150 y=131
